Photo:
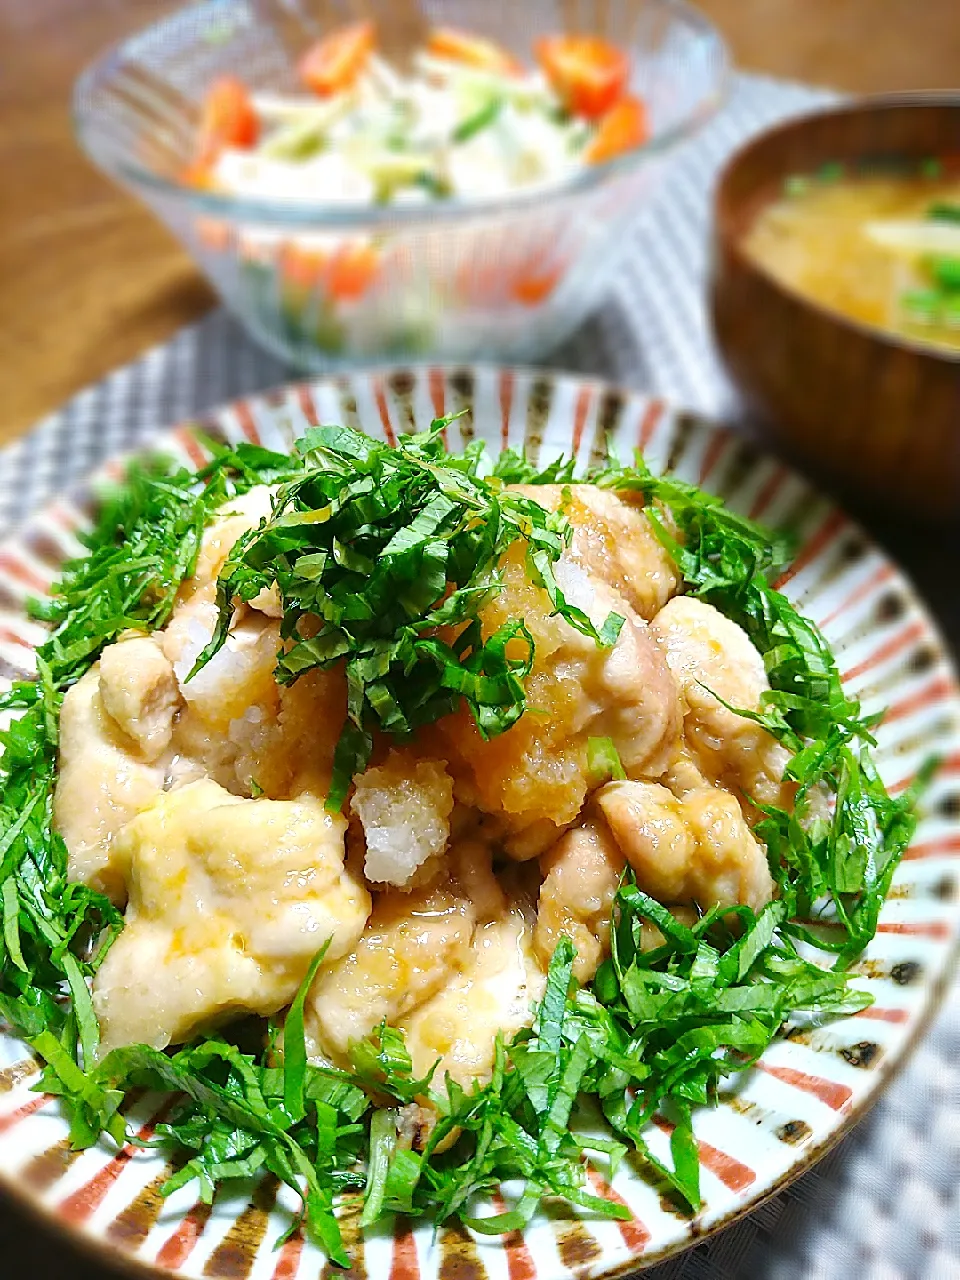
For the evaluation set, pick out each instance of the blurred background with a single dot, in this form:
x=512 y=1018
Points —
x=90 y=279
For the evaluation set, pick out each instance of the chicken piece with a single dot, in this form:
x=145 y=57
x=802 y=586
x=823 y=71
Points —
x=229 y=900
x=614 y=541
x=647 y=822
x=695 y=849
x=241 y=674
x=710 y=655
x=231 y=707
x=296 y=756
x=414 y=944
x=404 y=806
x=139 y=692
x=234 y=518
x=534 y=777
x=682 y=775
x=238 y=725
x=103 y=782
x=236 y=690
x=495 y=992
x=581 y=877
x=730 y=864
x=472 y=866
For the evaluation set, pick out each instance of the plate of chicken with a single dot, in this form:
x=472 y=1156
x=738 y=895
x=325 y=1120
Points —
x=455 y=816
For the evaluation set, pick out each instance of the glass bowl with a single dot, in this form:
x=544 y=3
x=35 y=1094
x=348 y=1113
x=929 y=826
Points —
x=509 y=276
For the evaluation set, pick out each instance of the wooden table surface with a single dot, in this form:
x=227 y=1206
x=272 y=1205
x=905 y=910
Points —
x=88 y=279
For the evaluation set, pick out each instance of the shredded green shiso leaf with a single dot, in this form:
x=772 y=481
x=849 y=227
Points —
x=385 y=545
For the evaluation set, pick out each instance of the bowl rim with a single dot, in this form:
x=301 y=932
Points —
x=730 y=237
x=300 y=214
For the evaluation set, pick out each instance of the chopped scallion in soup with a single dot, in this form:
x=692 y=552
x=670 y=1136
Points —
x=880 y=245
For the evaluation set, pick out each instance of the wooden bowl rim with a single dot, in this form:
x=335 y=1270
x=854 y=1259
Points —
x=731 y=239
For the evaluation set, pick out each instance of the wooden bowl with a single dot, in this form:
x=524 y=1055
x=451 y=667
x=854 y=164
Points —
x=876 y=416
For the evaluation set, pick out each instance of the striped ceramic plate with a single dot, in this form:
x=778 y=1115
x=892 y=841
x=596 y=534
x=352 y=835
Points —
x=779 y=1117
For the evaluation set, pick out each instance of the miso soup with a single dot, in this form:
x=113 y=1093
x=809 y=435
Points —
x=880 y=245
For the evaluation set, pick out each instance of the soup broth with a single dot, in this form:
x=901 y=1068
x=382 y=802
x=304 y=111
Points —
x=882 y=247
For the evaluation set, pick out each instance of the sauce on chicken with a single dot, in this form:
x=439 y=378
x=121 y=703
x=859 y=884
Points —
x=458 y=861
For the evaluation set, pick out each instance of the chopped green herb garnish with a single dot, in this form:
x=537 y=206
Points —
x=944 y=211
x=513 y=467
x=945 y=271
x=145 y=543
x=386 y=546
x=603 y=761
x=841 y=869
x=479 y=121
x=832 y=171
x=921 y=304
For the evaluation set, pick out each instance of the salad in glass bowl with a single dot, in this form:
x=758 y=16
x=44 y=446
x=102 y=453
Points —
x=467 y=121
x=378 y=187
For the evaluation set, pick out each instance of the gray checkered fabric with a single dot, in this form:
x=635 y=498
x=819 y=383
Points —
x=886 y=1203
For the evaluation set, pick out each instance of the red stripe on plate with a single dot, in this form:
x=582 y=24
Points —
x=732 y=1173
x=883 y=1015
x=584 y=396
x=520 y=1263
x=88 y=1198
x=404 y=1264
x=889 y=649
x=712 y=453
x=13 y=1118
x=178 y=1248
x=768 y=492
x=436 y=387
x=939 y=689
x=437 y=391
x=876 y=579
x=20 y=572
x=245 y=418
x=648 y=423
x=950 y=765
x=818 y=543
x=916 y=928
x=949 y=845
x=384 y=410
x=289 y=1259
x=829 y=1091
x=506 y=404
x=191 y=446
x=66 y=519
x=632 y=1231
x=307 y=406
x=11 y=637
